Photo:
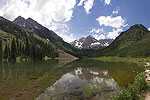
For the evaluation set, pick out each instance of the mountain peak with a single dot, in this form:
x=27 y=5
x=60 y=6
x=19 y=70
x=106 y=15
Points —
x=90 y=42
x=31 y=20
x=19 y=18
x=27 y=23
x=38 y=29
x=2 y=18
x=134 y=34
x=90 y=36
x=138 y=26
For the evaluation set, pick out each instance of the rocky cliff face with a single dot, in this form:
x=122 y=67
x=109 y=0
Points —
x=91 y=42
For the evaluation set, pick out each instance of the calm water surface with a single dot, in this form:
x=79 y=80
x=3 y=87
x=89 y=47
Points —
x=65 y=80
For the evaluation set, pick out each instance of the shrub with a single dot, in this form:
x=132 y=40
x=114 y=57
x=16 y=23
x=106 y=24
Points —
x=133 y=92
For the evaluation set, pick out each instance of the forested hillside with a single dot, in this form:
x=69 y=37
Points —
x=135 y=42
x=45 y=33
x=16 y=42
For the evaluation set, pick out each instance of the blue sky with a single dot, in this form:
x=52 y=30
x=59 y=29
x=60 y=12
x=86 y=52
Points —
x=72 y=19
x=133 y=11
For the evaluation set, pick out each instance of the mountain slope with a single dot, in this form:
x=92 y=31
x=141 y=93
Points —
x=19 y=42
x=90 y=42
x=133 y=43
x=133 y=34
x=45 y=33
x=35 y=27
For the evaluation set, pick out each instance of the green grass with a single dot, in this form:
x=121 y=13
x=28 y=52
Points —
x=124 y=59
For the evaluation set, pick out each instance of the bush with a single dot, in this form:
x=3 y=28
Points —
x=123 y=95
x=140 y=83
x=133 y=91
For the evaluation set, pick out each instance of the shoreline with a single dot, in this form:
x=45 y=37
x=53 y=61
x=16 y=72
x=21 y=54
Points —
x=123 y=59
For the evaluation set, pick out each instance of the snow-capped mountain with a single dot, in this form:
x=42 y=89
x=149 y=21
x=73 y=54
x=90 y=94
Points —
x=91 y=42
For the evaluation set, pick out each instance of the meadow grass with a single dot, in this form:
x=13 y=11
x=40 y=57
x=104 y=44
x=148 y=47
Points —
x=124 y=59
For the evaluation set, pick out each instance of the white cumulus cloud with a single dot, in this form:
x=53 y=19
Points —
x=67 y=37
x=98 y=37
x=116 y=11
x=149 y=29
x=88 y=6
x=81 y=2
x=107 y=2
x=114 y=33
x=115 y=22
x=62 y=30
x=42 y=11
x=94 y=30
x=46 y=12
x=53 y=28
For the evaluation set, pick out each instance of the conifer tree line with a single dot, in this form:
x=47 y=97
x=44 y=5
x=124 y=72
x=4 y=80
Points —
x=34 y=49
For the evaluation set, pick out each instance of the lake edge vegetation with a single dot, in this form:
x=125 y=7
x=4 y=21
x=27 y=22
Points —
x=134 y=91
x=123 y=59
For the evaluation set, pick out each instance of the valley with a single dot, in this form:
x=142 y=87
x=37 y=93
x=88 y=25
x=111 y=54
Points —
x=60 y=70
x=74 y=50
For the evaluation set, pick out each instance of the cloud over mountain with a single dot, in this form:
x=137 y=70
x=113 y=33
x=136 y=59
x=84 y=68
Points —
x=47 y=12
x=42 y=11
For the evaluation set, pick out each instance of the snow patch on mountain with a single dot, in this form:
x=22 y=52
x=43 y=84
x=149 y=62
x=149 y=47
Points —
x=91 y=42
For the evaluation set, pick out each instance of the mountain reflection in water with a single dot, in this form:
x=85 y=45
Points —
x=64 y=79
x=82 y=84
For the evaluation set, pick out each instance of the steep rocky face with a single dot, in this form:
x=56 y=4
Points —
x=27 y=23
x=91 y=42
x=78 y=43
x=24 y=43
x=38 y=29
x=44 y=32
x=88 y=41
x=1 y=18
x=20 y=21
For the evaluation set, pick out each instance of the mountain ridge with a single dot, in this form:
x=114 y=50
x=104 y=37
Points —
x=32 y=25
x=133 y=42
x=90 y=42
x=45 y=33
x=17 y=42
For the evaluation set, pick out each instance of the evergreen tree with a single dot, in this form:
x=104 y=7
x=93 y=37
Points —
x=17 y=46
x=13 y=49
x=33 y=52
x=23 y=50
x=1 y=50
x=20 y=49
x=9 y=51
x=6 y=51
x=27 y=47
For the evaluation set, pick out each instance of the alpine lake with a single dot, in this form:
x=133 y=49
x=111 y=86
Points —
x=65 y=79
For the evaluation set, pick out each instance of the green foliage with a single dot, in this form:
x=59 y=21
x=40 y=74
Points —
x=16 y=42
x=122 y=59
x=140 y=82
x=13 y=50
x=123 y=95
x=134 y=91
x=1 y=49
x=6 y=52
x=132 y=43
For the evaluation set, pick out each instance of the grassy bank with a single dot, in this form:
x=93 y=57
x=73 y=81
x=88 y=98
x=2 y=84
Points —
x=134 y=91
x=125 y=59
